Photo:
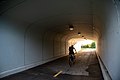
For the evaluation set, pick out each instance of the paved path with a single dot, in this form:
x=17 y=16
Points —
x=86 y=67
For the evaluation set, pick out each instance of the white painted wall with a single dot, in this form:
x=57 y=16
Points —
x=109 y=42
x=33 y=46
x=11 y=47
x=21 y=49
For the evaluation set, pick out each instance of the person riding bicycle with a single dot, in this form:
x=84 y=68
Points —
x=71 y=55
x=71 y=50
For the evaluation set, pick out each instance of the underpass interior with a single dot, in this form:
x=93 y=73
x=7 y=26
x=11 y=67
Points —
x=34 y=32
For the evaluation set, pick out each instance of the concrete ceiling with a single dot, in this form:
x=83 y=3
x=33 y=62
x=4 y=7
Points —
x=53 y=15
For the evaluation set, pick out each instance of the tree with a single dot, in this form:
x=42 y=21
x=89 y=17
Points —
x=93 y=45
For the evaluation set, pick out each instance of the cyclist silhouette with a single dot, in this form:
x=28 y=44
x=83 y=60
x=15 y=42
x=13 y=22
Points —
x=71 y=50
x=71 y=55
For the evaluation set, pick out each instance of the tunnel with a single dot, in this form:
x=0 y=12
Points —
x=35 y=32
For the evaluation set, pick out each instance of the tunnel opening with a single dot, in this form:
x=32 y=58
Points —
x=83 y=44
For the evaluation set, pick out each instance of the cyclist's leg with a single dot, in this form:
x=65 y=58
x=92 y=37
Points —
x=70 y=61
x=73 y=58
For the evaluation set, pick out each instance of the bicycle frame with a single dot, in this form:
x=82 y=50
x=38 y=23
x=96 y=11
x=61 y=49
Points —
x=71 y=59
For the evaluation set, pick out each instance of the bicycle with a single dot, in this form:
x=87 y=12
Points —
x=71 y=59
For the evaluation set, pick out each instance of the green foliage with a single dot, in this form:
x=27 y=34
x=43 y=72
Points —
x=92 y=45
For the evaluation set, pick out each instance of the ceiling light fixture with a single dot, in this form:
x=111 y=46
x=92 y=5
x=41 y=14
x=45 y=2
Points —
x=82 y=36
x=79 y=33
x=71 y=27
x=85 y=38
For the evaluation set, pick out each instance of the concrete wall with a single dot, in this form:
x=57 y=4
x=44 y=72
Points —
x=11 y=48
x=109 y=52
x=22 y=48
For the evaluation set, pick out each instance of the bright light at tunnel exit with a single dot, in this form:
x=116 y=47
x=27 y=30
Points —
x=79 y=43
x=85 y=42
x=78 y=46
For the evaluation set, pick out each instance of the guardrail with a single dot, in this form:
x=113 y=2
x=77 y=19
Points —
x=104 y=70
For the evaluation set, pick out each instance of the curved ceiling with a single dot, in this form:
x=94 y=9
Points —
x=53 y=15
